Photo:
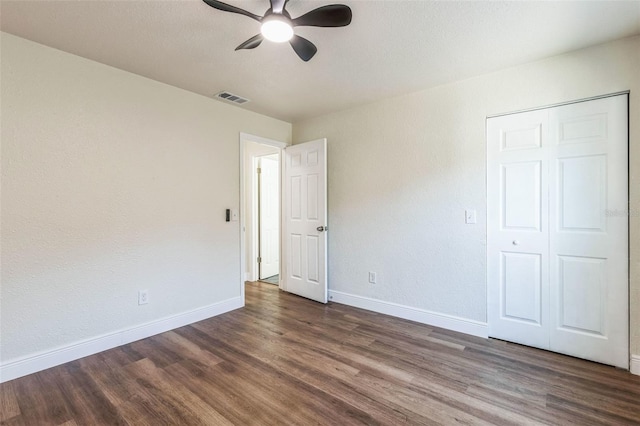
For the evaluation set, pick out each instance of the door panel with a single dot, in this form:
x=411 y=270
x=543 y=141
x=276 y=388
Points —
x=521 y=287
x=557 y=262
x=305 y=271
x=312 y=197
x=295 y=251
x=313 y=259
x=582 y=191
x=521 y=196
x=296 y=198
x=582 y=288
x=521 y=137
x=582 y=128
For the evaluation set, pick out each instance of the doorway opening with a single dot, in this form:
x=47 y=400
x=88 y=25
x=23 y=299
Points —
x=260 y=209
x=302 y=215
x=268 y=217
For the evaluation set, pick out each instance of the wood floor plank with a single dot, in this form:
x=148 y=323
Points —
x=287 y=360
x=195 y=412
x=213 y=386
x=8 y=402
x=330 y=376
x=33 y=395
x=276 y=383
x=83 y=397
x=413 y=401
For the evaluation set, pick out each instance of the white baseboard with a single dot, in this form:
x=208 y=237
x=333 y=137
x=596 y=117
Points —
x=635 y=364
x=450 y=322
x=41 y=361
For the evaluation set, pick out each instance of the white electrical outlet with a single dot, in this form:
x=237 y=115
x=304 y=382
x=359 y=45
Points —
x=143 y=297
x=373 y=277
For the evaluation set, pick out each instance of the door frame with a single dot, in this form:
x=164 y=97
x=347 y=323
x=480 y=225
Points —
x=244 y=139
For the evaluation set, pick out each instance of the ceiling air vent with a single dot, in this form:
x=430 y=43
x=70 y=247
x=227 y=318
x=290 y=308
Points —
x=230 y=97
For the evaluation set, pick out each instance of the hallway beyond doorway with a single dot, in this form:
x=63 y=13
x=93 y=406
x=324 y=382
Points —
x=274 y=279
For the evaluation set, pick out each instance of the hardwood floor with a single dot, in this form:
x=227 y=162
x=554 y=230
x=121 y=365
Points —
x=286 y=360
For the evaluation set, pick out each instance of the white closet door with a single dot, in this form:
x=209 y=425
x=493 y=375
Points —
x=589 y=232
x=518 y=244
x=557 y=241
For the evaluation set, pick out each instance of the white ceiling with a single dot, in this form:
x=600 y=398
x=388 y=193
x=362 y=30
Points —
x=390 y=48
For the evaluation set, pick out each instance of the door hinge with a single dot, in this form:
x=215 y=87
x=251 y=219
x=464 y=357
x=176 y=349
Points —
x=259 y=260
x=259 y=170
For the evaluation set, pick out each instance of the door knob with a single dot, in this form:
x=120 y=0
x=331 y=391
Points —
x=321 y=228
x=516 y=242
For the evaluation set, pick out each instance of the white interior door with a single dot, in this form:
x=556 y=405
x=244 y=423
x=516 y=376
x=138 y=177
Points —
x=557 y=251
x=305 y=220
x=269 y=216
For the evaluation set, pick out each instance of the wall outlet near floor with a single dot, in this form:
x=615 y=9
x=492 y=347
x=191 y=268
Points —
x=373 y=277
x=143 y=297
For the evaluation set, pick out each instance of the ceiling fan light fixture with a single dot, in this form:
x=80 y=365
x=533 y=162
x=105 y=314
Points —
x=277 y=24
x=277 y=29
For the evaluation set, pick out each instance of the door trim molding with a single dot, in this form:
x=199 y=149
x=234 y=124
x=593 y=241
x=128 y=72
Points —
x=592 y=98
x=423 y=316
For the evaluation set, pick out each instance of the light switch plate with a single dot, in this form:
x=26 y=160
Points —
x=469 y=216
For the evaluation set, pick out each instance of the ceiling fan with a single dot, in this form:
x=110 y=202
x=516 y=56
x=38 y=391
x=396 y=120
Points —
x=277 y=24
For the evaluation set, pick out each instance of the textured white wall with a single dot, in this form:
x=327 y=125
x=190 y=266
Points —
x=402 y=171
x=111 y=183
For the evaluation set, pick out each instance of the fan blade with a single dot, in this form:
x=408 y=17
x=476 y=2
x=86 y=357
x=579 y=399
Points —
x=303 y=47
x=333 y=15
x=228 y=8
x=277 y=6
x=252 y=43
